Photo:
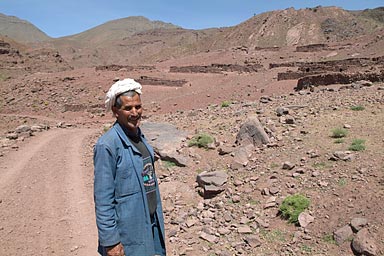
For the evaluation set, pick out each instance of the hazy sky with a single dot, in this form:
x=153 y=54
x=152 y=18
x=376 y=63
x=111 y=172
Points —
x=68 y=17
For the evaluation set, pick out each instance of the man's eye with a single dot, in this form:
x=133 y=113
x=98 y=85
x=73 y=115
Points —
x=128 y=108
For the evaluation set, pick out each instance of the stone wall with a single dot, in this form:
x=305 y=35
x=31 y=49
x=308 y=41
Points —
x=216 y=68
x=337 y=78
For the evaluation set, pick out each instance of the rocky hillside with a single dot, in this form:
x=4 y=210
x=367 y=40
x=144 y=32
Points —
x=300 y=27
x=17 y=59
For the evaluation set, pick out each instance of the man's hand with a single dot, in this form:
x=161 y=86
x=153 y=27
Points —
x=116 y=250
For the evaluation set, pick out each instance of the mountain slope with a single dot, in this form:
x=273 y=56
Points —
x=117 y=43
x=118 y=30
x=21 y=30
x=137 y=40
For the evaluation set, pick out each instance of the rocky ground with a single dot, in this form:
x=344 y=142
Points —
x=345 y=187
x=244 y=219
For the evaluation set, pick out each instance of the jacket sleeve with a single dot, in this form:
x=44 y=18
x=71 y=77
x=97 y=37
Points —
x=104 y=195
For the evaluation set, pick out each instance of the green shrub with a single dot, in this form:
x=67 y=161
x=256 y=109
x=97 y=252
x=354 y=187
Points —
x=339 y=133
x=320 y=165
x=306 y=248
x=328 y=238
x=342 y=182
x=3 y=77
x=273 y=235
x=225 y=104
x=357 y=108
x=199 y=171
x=339 y=141
x=274 y=165
x=201 y=140
x=254 y=202
x=168 y=164
x=357 y=145
x=292 y=206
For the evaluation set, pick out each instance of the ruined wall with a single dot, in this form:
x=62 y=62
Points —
x=216 y=68
x=337 y=78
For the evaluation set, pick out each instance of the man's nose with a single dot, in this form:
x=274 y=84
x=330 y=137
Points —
x=133 y=111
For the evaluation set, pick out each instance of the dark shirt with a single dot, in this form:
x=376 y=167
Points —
x=148 y=172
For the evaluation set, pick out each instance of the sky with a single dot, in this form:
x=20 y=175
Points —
x=68 y=17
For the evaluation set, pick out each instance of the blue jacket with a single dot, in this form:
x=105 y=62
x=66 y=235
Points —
x=121 y=205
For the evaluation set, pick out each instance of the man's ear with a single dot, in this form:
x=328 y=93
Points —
x=114 y=110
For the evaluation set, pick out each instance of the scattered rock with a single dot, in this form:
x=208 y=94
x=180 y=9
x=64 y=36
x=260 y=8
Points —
x=63 y=125
x=252 y=132
x=191 y=222
x=209 y=238
x=305 y=219
x=224 y=150
x=362 y=83
x=39 y=128
x=265 y=99
x=288 y=166
x=212 y=182
x=223 y=231
x=236 y=199
x=313 y=153
x=241 y=156
x=343 y=234
x=290 y=120
x=280 y=111
x=358 y=223
x=342 y=155
x=22 y=129
x=274 y=190
x=244 y=230
x=364 y=244
x=253 y=241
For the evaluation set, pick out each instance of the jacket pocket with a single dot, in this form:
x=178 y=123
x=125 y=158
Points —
x=131 y=220
x=127 y=182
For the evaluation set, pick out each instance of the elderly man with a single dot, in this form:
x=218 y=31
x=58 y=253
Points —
x=127 y=200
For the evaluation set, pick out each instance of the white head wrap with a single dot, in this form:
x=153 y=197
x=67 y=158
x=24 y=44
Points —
x=118 y=88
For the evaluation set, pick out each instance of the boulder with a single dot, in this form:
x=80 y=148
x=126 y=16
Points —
x=305 y=219
x=212 y=182
x=23 y=128
x=241 y=156
x=166 y=140
x=342 y=155
x=343 y=234
x=252 y=132
x=358 y=223
x=364 y=244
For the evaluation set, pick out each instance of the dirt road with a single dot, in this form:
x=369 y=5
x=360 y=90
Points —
x=46 y=200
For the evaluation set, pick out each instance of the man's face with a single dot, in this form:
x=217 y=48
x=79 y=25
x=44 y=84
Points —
x=129 y=114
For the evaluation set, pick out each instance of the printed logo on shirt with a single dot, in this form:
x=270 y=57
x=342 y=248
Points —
x=149 y=175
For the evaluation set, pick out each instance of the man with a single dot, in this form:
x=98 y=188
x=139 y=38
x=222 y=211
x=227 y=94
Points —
x=127 y=200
